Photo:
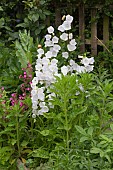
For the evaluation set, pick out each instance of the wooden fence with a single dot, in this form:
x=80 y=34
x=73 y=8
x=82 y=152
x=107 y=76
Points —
x=93 y=41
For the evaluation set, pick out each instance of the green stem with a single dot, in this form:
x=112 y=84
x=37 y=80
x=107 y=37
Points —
x=67 y=131
x=17 y=131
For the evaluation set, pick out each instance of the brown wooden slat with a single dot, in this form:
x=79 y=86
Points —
x=82 y=27
x=105 y=30
x=93 y=32
x=57 y=16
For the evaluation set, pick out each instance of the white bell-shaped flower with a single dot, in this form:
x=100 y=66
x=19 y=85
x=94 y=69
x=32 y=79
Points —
x=71 y=47
x=64 y=36
x=69 y=18
x=64 y=70
x=48 y=54
x=65 y=55
x=40 y=51
x=66 y=25
x=55 y=39
x=61 y=28
x=50 y=30
x=73 y=42
x=48 y=37
x=41 y=95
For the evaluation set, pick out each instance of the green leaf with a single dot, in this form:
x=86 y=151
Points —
x=80 y=130
x=45 y=132
x=90 y=131
x=24 y=143
x=1 y=9
x=1 y=22
x=50 y=115
x=84 y=138
x=111 y=126
x=20 y=53
x=95 y=150
x=13 y=141
x=41 y=153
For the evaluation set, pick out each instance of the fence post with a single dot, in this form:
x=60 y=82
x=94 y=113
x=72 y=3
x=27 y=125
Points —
x=105 y=29
x=57 y=15
x=82 y=27
x=93 y=32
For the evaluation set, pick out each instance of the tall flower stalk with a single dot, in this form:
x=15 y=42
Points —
x=53 y=61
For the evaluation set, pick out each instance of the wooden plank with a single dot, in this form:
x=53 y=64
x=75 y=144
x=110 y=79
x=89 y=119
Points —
x=105 y=30
x=93 y=32
x=82 y=27
x=57 y=15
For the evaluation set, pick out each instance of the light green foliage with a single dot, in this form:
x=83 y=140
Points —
x=23 y=48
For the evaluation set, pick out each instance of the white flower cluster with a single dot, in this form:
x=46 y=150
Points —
x=47 y=65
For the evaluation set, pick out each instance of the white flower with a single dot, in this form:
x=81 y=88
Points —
x=48 y=54
x=33 y=115
x=73 y=42
x=65 y=55
x=64 y=36
x=40 y=51
x=34 y=81
x=53 y=68
x=48 y=43
x=89 y=68
x=77 y=93
x=69 y=18
x=81 y=87
x=91 y=60
x=50 y=30
x=45 y=109
x=74 y=65
x=85 y=61
x=55 y=39
x=54 y=53
x=38 y=66
x=56 y=47
x=34 y=105
x=61 y=28
x=64 y=70
x=71 y=47
x=54 y=61
x=40 y=112
x=66 y=25
x=42 y=104
x=70 y=36
x=41 y=95
x=81 y=69
x=45 y=61
x=48 y=37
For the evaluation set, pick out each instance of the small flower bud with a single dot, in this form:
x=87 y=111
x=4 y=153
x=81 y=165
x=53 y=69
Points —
x=39 y=46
